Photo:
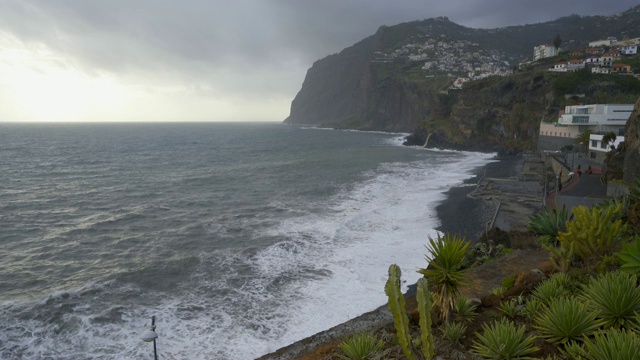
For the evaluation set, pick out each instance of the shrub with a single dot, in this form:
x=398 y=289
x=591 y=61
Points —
x=499 y=291
x=531 y=308
x=615 y=297
x=502 y=340
x=508 y=282
x=464 y=308
x=445 y=272
x=566 y=319
x=591 y=234
x=361 y=347
x=613 y=344
x=453 y=332
x=630 y=257
x=510 y=308
x=559 y=285
x=548 y=223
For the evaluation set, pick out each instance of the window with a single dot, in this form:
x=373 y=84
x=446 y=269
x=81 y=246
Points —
x=594 y=143
x=603 y=145
x=580 y=119
x=593 y=155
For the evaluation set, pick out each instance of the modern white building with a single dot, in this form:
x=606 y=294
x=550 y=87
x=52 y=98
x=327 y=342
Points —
x=601 y=118
x=544 y=51
x=598 y=149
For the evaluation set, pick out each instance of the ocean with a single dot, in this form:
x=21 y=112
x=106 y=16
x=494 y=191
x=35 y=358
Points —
x=240 y=238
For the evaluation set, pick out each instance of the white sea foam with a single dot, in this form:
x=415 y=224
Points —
x=385 y=220
x=328 y=267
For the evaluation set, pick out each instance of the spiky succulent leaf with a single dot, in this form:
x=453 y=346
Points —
x=502 y=340
x=566 y=319
x=615 y=297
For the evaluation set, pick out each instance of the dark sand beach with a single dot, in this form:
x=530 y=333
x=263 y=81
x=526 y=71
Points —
x=459 y=214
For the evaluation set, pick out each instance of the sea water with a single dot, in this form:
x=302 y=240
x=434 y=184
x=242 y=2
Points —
x=238 y=238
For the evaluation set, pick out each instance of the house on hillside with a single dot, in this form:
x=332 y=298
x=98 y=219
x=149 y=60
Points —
x=544 y=51
x=606 y=60
x=575 y=65
x=621 y=69
x=608 y=42
x=594 y=51
x=600 y=70
x=629 y=50
x=576 y=119
x=559 y=67
x=597 y=117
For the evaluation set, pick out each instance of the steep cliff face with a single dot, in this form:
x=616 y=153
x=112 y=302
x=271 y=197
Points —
x=632 y=146
x=503 y=111
x=351 y=90
x=335 y=87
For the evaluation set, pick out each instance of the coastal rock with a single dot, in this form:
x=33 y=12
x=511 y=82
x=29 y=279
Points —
x=632 y=145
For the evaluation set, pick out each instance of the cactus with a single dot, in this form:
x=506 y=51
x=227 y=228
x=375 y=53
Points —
x=425 y=301
x=397 y=308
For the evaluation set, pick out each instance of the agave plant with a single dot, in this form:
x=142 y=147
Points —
x=502 y=340
x=559 y=285
x=361 y=347
x=453 y=331
x=548 y=223
x=531 y=308
x=566 y=319
x=630 y=257
x=445 y=271
x=615 y=297
x=510 y=308
x=464 y=308
x=613 y=344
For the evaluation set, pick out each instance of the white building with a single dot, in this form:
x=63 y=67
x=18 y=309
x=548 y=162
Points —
x=601 y=118
x=600 y=70
x=610 y=41
x=598 y=149
x=629 y=50
x=559 y=67
x=575 y=65
x=544 y=51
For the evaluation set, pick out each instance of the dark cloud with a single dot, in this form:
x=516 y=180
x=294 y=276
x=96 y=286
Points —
x=244 y=46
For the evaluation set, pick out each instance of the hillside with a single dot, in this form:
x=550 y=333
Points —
x=399 y=79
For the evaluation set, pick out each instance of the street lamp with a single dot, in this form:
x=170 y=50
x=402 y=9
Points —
x=150 y=335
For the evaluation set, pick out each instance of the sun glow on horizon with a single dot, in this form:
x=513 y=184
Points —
x=43 y=86
x=40 y=85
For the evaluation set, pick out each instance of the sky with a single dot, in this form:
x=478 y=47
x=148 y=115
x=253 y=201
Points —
x=205 y=60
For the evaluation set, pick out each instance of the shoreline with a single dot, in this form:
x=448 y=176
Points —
x=464 y=215
x=458 y=213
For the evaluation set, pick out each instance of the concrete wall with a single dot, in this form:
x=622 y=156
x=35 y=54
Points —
x=552 y=143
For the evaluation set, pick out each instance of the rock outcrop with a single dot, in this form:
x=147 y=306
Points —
x=632 y=146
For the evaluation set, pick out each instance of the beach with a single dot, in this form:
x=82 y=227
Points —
x=460 y=214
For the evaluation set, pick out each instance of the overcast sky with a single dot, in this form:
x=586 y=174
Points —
x=204 y=60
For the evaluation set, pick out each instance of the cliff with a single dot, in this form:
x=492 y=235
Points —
x=385 y=83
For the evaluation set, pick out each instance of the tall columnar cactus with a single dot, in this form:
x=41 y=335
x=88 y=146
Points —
x=425 y=301
x=397 y=308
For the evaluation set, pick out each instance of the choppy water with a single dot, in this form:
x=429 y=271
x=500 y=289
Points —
x=239 y=238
